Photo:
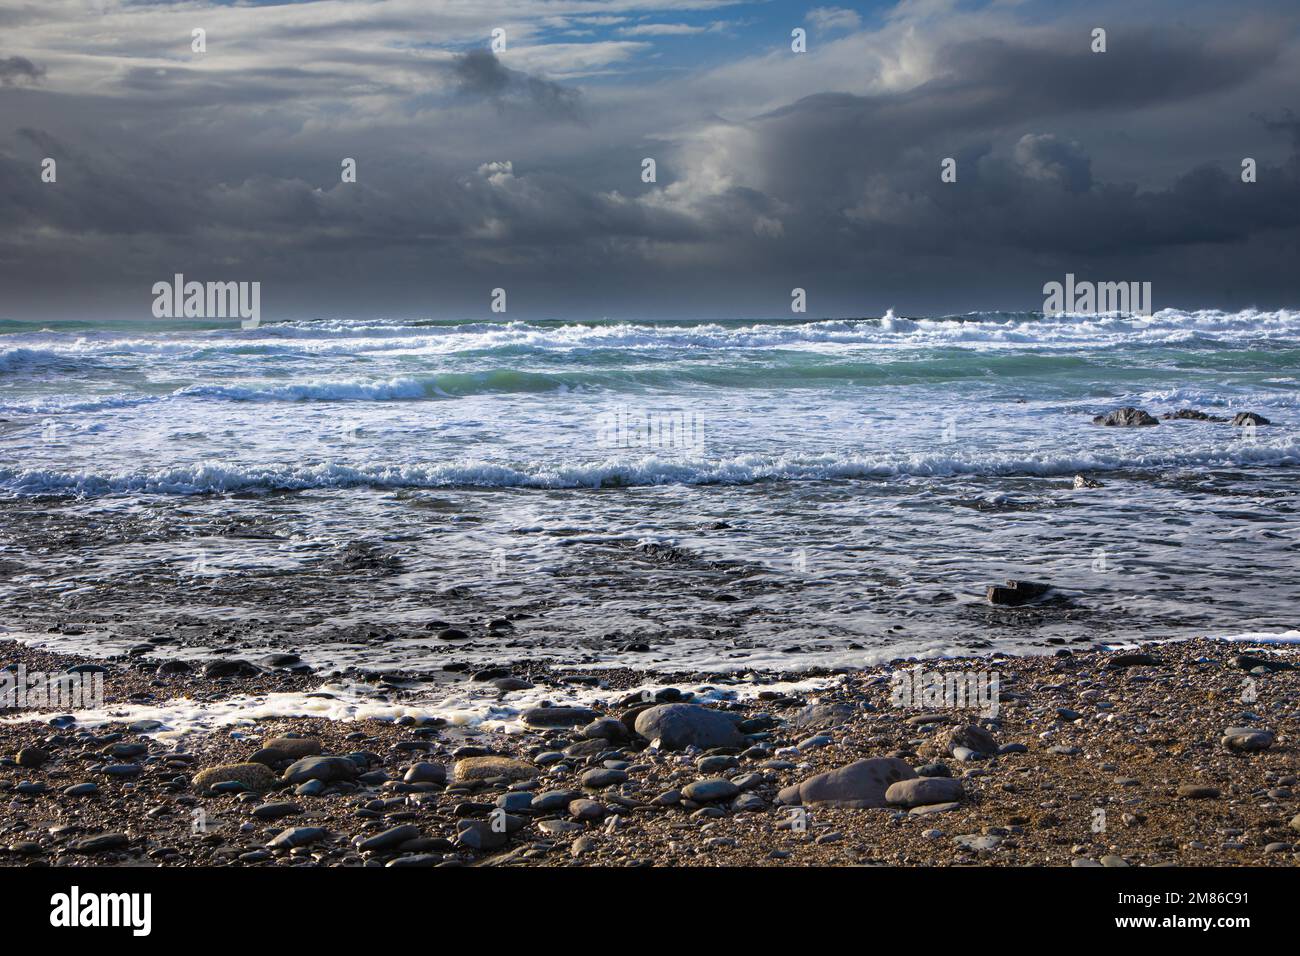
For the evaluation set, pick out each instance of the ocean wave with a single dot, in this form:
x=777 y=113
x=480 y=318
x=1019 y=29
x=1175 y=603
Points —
x=12 y=360
x=972 y=330
x=622 y=472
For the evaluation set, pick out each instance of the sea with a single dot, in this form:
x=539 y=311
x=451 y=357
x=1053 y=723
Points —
x=729 y=498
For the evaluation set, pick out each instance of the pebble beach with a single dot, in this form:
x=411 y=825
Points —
x=1137 y=756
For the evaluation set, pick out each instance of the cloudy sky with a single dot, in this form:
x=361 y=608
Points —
x=523 y=169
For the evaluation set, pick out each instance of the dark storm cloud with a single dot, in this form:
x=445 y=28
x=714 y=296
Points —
x=18 y=69
x=477 y=171
x=479 y=73
x=871 y=163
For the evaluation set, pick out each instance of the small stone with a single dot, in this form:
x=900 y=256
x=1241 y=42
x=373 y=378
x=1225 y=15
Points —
x=297 y=836
x=586 y=810
x=274 y=811
x=33 y=757
x=707 y=791
x=101 y=843
x=480 y=835
x=425 y=773
x=558 y=717
x=678 y=726
x=1191 y=791
x=324 y=769
x=600 y=778
x=489 y=768
x=924 y=790
x=859 y=785
x=389 y=839
x=975 y=841
x=1247 y=740
x=293 y=748
x=558 y=827
x=253 y=776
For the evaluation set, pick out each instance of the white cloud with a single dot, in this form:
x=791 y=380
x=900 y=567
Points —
x=827 y=19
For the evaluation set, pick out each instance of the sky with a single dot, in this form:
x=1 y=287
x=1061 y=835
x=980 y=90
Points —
x=521 y=168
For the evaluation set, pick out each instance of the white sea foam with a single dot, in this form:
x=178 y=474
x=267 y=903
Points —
x=648 y=470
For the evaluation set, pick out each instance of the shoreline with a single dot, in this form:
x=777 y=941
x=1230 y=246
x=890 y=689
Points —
x=1133 y=742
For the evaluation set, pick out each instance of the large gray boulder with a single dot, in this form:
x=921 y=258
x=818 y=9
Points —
x=859 y=786
x=678 y=726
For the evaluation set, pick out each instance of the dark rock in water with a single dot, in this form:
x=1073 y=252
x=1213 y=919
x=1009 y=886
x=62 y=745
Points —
x=490 y=673
x=298 y=836
x=860 y=786
x=389 y=839
x=452 y=634
x=325 y=769
x=1081 y=482
x=1016 y=593
x=1126 y=417
x=87 y=669
x=33 y=757
x=235 y=668
x=1191 y=414
x=1249 y=418
x=678 y=726
x=1132 y=660
x=508 y=684
x=281 y=660
x=558 y=716
x=923 y=791
x=1248 y=662
x=171 y=668
x=101 y=843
